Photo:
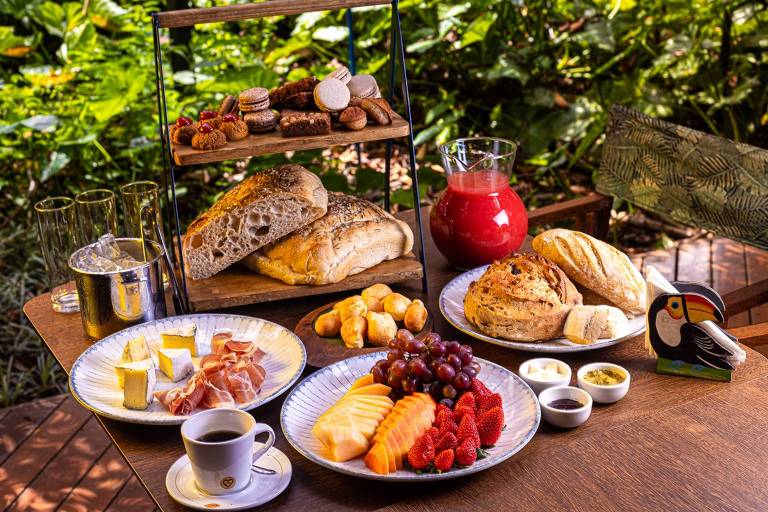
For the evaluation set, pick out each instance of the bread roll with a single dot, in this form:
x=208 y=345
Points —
x=595 y=265
x=328 y=324
x=354 y=331
x=354 y=235
x=374 y=304
x=258 y=211
x=351 y=306
x=396 y=305
x=587 y=324
x=381 y=328
x=377 y=291
x=524 y=297
x=415 y=316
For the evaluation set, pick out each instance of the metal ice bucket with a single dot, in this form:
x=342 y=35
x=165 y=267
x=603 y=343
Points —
x=113 y=300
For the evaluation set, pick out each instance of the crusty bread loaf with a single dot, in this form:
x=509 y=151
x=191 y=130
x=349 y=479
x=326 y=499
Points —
x=263 y=208
x=354 y=235
x=524 y=297
x=595 y=265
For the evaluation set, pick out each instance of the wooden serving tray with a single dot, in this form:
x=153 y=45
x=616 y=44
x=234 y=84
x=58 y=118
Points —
x=238 y=286
x=274 y=142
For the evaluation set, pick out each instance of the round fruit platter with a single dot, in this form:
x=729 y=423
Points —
x=94 y=383
x=325 y=350
x=314 y=398
x=451 y=304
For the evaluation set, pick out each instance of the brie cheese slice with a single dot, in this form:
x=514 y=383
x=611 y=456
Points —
x=139 y=386
x=135 y=365
x=175 y=363
x=135 y=350
x=181 y=337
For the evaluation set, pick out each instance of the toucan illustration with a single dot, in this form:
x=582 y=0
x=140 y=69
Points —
x=674 y=332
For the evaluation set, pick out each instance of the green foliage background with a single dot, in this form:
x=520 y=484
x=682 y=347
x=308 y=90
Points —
x=78 y=105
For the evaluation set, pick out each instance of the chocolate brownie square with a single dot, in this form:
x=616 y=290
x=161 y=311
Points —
x=295 y=123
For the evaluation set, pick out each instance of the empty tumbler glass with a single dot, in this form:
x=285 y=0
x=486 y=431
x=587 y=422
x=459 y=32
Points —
x=57 y=227
x=97 y=212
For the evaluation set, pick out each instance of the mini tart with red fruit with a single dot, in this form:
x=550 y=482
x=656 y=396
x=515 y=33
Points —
x=208 y=138
x=233 y=127
x=183 y=130
x=210 y=117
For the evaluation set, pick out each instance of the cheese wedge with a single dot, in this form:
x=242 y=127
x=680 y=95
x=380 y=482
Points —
x=175 y=363
x=139 y=386
x=135 y=365
x=181 y=337
x=135 y=350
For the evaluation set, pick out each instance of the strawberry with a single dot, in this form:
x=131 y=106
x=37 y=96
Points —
x=432 y=432
x=448 y=425
x=446 y=441
x=422 y=452
x=444 y=460
x=489 y=401
x=466 y=453
x=489 y=425
x=478 y=388
x=466 y=400
x=461 y=411
x=440 y=408
x=468 y=430
x=442 y=416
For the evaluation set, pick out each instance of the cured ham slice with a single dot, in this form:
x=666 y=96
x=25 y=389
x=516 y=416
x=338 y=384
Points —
x=216 y=396
x=241 y=386
x=257 y=374
x=184 y=400
x=218 y=341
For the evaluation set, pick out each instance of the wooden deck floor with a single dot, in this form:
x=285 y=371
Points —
x=54 y=455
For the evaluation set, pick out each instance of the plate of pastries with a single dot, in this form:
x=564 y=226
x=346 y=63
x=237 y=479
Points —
x=572 y=293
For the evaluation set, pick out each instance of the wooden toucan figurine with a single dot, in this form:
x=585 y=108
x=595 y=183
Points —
x=673 y=329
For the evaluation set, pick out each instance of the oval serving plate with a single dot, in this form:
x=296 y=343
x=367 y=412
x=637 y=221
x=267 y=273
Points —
x=318 y=392
x=452 y=307
x=94 y=384
x=324 y=351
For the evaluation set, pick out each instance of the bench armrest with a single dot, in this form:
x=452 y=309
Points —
x=591 y=214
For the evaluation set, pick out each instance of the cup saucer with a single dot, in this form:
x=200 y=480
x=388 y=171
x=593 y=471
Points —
x=262 y=488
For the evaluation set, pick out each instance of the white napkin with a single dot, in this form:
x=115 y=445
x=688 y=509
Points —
x=656 y=285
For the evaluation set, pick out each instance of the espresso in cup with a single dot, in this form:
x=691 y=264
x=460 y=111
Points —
x=219 y=443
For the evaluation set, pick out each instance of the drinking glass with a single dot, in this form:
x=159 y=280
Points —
x=97 y=213
x=57 y=226
x=478 y=218
x=136 y=196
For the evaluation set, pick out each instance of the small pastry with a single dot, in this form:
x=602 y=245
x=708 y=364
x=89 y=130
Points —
x=381 y=328
x=353 y=331
x=396 y=305
x=296 y=123
x=279 y=94
x=328 y=324
x=363 y=86
x=261 y=121
x=183 y=131
x=208 y=137
x=351 y=306
x=385 y=105
x=377 y=291
x=375 y=111
x=340 y=73
x=354 y=118
x=331 y=95
x=229 y=105
x=415 y=316
x=234 y=127
x=253 y=100
x=210 y=117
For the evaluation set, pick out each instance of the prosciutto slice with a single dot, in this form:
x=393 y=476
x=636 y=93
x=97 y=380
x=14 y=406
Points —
x=229 y=376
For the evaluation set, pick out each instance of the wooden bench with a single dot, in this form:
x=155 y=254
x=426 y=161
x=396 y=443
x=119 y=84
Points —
x=54 y=455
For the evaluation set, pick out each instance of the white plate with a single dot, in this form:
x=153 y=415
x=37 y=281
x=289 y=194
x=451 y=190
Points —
x=93 y=381
x=181 y=485
x=318 y=392
x=452 y=307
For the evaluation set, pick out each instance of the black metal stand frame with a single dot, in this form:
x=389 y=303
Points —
x=397 y=53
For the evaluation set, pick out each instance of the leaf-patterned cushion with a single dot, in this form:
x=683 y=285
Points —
x=685 y=175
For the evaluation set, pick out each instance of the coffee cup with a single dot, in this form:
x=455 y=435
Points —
x=219 y=444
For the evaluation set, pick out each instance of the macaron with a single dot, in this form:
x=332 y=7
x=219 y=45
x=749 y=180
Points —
x=253 y=100
x=331 y=95
x=342 y=73
x=261 y=121
x=363 y=86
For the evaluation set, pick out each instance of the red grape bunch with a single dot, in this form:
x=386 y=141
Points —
x=445 y=369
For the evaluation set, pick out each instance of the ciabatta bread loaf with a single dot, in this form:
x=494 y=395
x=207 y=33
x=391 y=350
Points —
x=595 y=265
x=354 y=235
x=524 y=297
x=258 y=211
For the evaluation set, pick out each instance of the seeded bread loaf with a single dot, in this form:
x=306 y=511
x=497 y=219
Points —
x=258 y=211
x=524 y=297
x=595 y=265
x=354 y=235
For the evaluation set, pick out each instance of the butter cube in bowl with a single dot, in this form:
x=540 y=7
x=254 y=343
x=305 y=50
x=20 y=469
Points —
x=543 y=372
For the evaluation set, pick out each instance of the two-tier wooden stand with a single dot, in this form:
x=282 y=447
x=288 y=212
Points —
x=203 y=294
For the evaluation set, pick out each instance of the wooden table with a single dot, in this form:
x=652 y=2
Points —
x=672 y=444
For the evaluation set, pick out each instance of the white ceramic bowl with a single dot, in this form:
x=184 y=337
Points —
x=604 y=394
x=565 y=418
x=540 y=385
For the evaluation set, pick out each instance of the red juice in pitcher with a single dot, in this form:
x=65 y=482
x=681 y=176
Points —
x=478 y=218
